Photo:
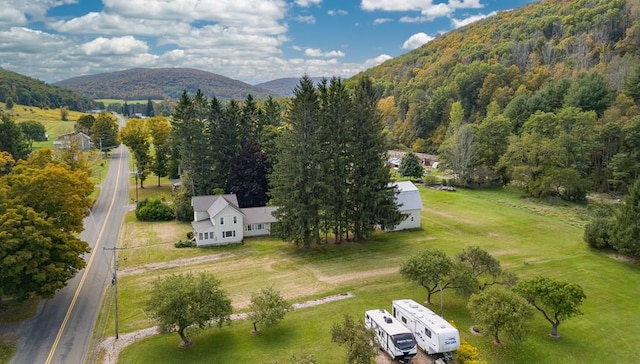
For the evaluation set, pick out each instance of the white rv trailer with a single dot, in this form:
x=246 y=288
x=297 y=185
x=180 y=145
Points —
x=433 y=334
x=391 y=335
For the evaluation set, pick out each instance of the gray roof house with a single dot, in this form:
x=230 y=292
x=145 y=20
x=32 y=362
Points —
x=79 y=139
x=217 y=220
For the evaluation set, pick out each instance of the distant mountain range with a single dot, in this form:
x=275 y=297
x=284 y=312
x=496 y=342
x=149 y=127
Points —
x=161 y=83
x=284 y=86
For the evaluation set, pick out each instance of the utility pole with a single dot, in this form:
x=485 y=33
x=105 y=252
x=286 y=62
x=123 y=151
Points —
x=114 y=282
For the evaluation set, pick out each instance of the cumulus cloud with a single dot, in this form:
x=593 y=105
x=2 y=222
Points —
x=428 y=10
x=309 y=19
x=416 y=41
x=314 y=52
x=114 y=24
x=12 y=16
x=457 y=23
x=372 y=62
x=307 y=3
x=25 y=40
x=113 y=46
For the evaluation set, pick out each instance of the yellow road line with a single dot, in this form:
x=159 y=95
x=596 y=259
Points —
x=86 y=270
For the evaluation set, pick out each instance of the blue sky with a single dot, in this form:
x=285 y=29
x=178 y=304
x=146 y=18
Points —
x=249 y=40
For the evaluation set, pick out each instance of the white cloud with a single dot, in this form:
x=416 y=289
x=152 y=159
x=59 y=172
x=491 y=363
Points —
x=309 y=19
x=416 y=41
x=428 y=10
x=114 y=24
x=24 y=40
x=337 y=12
x=12 y=16
x=100 y=46
x=382 y=20
x=307 y=3
x=457 y=23
x=314 y=52
x=372 y=62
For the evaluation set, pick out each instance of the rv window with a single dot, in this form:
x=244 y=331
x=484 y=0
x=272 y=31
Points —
x=426 y=331
x=404 y=319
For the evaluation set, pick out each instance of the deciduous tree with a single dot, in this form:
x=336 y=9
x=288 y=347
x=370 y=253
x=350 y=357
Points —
x=430 y=269
x=557 y=301
x=186 y=302
x=37 y=257
x=499 y=310
x=267 y=308
x=357 y=339
x=105 y=128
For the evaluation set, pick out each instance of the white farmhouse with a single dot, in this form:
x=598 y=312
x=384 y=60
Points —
x=217 y=220
x=410 y=203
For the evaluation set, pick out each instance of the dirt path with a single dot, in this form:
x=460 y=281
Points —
x=139 y=269
x=113 y=347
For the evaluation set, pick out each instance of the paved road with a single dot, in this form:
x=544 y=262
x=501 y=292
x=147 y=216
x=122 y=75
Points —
x=61 y=331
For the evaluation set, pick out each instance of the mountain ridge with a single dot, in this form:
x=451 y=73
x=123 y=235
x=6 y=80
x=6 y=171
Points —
x=160 y=83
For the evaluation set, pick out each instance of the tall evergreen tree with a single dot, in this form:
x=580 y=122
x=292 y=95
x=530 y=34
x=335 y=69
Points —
x=150 y=111
x=248 y=176
x=296 y=174
x=336 y=106
x=371 y=200
x=12 y=140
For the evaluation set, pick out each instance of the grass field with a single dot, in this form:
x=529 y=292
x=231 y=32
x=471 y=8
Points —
x=129 y=102
x=528 y=237
x=50 y=118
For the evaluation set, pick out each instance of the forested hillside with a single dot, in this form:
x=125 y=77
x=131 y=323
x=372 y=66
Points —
x=23 y=90
x=160 y=84
x=545 y=96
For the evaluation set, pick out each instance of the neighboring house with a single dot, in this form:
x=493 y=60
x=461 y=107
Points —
x=410 y=203
x=217 y=220
x=79 y=139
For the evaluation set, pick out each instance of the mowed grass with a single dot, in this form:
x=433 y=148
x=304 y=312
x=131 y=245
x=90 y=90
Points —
x=529 y=238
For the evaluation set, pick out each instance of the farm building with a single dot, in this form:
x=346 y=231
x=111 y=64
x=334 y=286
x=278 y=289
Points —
x=410 y=203
x=217 y=220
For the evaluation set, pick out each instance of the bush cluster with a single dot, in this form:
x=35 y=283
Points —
x=185 y=244
x=154 y=210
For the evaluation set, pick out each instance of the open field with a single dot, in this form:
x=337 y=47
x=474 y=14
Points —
x=50 y=118
x=529 y=238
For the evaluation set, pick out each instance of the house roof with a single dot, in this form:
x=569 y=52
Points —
x=255 y=215
x=201 y=225
x=408 y=197
x=221 y=202
x=202 y=203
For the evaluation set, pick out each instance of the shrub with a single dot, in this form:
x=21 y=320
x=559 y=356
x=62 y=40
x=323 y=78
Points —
x=597 y=232
x=154 y=210
x=185 y=244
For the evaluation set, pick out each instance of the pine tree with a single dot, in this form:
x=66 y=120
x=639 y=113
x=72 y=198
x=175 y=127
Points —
x=296 y=174
x=371 y=200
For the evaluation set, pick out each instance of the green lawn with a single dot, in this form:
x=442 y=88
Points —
x=529 y=238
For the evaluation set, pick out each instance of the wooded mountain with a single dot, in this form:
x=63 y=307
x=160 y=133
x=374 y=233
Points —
x=545 y=97
x=284 y=86
x=29 y=91
x=505 y=56
x=160 y=84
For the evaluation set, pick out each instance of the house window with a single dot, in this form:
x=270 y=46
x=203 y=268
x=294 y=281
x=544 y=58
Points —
x=206 y=235
x=249 y=227
x=411 y=218
x=199 y=236
x=404 y=319
x=235 y=219
x=222 y=221
x=259 y=226
x=229 y=234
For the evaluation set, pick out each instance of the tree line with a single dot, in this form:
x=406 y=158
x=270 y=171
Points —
x=321 y=161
